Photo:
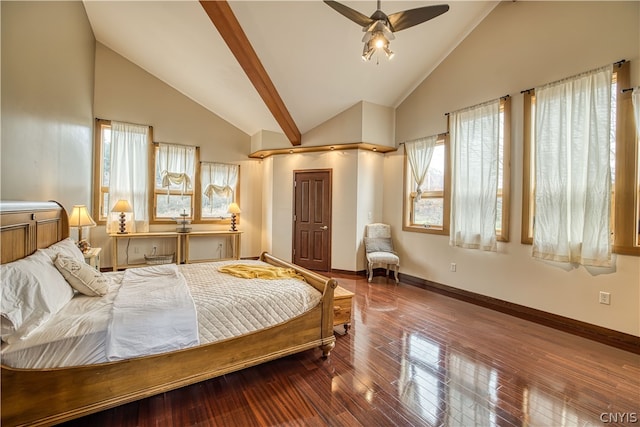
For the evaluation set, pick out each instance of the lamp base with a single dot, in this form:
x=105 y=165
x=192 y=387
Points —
x=123 y=225
x=233 y=223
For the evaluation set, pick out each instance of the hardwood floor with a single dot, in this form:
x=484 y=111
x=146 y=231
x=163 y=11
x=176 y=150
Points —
x=413 y=358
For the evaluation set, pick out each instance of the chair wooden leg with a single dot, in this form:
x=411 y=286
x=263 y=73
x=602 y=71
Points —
x=396 y=273
x=370 y=268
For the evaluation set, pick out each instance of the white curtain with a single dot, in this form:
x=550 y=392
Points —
x=177 y=166
x=573 y=180
x=635 y=97
x=128 y=174
x=475 y=137
x=419 y=152
x=219 y=179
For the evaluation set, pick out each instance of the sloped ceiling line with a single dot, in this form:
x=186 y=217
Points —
x=234 y=36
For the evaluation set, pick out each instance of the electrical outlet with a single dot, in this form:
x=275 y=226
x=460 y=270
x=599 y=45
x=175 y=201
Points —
x=605 y=298
x=452 y=267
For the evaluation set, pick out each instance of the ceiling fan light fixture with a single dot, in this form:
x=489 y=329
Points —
x=379 y=27
x=379 y=40
x=367 y=53
x=376 y=41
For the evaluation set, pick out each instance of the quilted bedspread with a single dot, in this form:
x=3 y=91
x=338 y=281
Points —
x=228 y=306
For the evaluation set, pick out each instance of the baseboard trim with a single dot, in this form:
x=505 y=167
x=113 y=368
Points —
x=607 y=336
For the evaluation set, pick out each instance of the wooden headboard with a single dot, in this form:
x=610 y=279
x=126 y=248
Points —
x=28 y=226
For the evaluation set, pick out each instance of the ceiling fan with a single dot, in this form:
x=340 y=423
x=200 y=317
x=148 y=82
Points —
x=379 y=28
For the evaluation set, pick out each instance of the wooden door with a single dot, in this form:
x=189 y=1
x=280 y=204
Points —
x=312 y=219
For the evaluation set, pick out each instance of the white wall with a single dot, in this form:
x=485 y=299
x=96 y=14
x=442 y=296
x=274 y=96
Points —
x=47 y=101
x=344 y=128
x=124 y=91
x=518 y=46
x=362 y=122
x=378 y=124
x=369 y=195
x=357 y=190
x=356 y=193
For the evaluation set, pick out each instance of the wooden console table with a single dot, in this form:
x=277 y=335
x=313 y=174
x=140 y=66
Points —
x=116 y=237
x=181 y=240
x=235 y=244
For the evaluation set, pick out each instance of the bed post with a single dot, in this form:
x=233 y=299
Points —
x=324 y=285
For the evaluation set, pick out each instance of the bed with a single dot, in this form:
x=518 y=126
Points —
x=50 y=395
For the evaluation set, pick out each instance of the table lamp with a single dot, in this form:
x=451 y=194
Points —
x=122 y=206
x=79 y=219
x=233 y=210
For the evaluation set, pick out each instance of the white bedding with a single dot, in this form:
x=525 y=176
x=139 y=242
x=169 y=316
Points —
x=226 y=307
x=139 y=324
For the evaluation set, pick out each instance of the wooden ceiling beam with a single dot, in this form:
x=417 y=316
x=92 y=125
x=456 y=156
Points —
x=229 y=28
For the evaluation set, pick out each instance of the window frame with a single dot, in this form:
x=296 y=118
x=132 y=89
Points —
x=216 y=220
x=154 y=192
x=502 y=234
x=98 y=190
x=625 y=237
x=408 y=225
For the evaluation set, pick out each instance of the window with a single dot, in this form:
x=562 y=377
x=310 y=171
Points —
x=220 y=189
x=121 y=171
x=161 y=181
x=623 y=164
x=480 y=175
x=174 y=182
x=428 y=210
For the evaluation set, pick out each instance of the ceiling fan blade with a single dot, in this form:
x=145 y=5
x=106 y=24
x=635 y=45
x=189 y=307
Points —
x=409 y=18
x=354 y=15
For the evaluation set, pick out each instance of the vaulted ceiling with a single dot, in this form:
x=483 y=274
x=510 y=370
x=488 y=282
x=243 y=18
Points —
x=311 y=54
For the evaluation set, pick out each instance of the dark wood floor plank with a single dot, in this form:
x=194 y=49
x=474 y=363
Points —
x=411 y=358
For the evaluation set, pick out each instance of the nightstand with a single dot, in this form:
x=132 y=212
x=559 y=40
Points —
x=92 y=257
x=342 y=300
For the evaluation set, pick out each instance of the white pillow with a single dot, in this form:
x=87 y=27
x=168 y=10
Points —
x=66 y=247
x=82 y=277
x=32 y=291
x=6 y=327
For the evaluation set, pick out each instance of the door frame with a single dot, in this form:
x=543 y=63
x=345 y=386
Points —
x=329 y=171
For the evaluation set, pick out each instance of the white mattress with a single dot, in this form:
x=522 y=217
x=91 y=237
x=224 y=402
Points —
x=226 y=306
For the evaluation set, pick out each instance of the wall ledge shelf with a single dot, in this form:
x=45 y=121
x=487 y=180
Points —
x=262 y=154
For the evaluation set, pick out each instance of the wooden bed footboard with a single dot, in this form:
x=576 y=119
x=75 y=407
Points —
x=50 y=396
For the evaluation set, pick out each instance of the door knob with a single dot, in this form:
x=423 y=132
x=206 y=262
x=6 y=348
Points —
x=324 y=227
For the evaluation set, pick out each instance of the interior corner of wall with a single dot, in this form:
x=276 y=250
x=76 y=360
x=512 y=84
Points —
x=268 y=140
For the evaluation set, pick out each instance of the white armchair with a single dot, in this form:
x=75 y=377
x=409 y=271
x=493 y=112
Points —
x=379 y=249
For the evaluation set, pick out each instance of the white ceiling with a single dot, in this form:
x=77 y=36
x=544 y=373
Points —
x=311 y=53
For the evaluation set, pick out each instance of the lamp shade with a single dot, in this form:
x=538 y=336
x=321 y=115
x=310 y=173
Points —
x=80 y=217
x=234 y=208
x=122 y=206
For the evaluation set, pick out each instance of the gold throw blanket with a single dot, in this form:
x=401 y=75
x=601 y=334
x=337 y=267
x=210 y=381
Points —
x=247 y=271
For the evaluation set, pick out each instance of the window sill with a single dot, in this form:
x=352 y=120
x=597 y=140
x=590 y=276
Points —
x=620 y=250
x=426 y=230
